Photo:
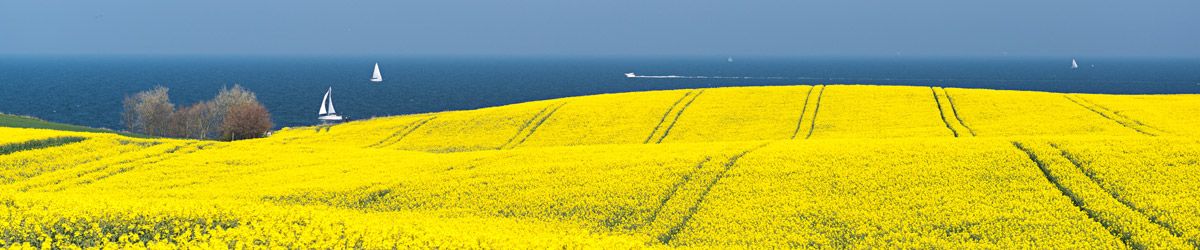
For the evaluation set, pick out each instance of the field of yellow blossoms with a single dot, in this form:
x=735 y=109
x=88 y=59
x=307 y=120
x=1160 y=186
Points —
x=826 y=166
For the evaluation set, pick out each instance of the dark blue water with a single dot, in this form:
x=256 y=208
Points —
x=87 y=90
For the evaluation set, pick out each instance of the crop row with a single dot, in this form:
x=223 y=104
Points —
x=1154 y=177
x=1134 y=228
x=925 y=193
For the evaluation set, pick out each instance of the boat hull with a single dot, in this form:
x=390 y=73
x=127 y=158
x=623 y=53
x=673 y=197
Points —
x=330 y=118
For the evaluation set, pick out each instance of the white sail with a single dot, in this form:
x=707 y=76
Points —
x=331 y=110
x=1074 y=65
x=376 y=77
x=324 y=101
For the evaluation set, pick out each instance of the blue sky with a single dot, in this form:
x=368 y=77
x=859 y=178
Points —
x=613 y=27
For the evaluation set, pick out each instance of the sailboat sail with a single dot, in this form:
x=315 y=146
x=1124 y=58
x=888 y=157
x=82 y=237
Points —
x=331 y=110
x=376 y=77
x=324 y=101
x=1074 y=65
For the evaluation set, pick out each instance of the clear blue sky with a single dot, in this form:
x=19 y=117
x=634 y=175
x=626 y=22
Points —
x=610 y=27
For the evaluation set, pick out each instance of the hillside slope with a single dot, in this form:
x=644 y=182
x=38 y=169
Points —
x=832 y=166
x=769 y=113
x=16 y=121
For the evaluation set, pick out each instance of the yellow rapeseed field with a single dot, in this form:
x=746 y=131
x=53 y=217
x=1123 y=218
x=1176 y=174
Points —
x=591 y=120
x=878 y=112
x=1016 y=113
x=825 y=166
x=1157 y=114
x=1155 y=177
x=905 y=193
x=745 y=113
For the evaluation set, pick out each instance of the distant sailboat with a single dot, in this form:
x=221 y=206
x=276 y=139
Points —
x=376 y=77
x=1074 y=65
x=327 y=113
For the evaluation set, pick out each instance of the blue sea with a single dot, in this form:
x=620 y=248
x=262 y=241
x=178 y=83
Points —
x=88 y=90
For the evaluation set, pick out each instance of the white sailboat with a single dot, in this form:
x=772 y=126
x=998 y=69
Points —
x=376 y=77
x=1074 y=65
x=327 y=113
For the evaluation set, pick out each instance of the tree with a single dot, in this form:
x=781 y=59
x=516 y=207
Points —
x=234 y=113
x=193 y=121
x=203 y=115
x=246 y=120
x=225 y=100
x=149 y=112
x=179 y=123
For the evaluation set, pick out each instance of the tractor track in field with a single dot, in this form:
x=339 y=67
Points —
x=524 y=126
x=803 y=110
x=96 y=173
x=941 y=112
x=1091 y=175
x=1127 y=124
x=665 y=115
x=36 y=144
x=666 y=237
x=84 y=161
x=816 y=111
x=954 y=109
x=1119 y=217
x=662 y=202
x=1119 y=115
x=402 y=133
x=530 y=126
x=667 y=132
x=1075 y=200
x=174 y=153
x=538 y=124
